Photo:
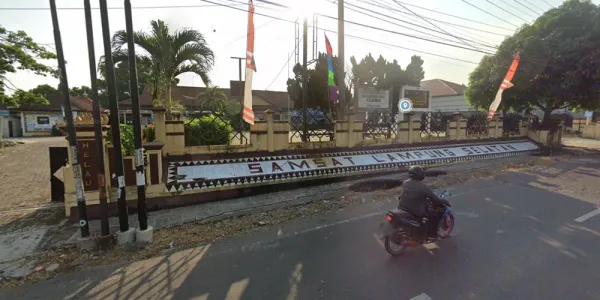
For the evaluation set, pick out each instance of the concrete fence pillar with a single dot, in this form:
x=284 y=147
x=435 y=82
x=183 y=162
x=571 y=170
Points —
x=160 y=130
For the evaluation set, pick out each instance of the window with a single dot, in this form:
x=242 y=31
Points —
x=43 y=120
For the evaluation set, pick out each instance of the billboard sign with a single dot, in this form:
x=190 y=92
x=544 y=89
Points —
x=420 y=97
x=370 y=99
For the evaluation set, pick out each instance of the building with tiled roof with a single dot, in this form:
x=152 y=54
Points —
x=447 y=96
x=38 y=119
x=276 y=101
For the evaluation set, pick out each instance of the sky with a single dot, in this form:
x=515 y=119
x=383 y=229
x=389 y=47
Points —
x=225 y=30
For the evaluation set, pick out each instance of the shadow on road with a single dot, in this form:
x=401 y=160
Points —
x=525 y=245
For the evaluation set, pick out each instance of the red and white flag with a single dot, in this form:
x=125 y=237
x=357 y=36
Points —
x=248 y=113
x=504 y=85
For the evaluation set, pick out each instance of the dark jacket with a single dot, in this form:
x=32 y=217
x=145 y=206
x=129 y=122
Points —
x=415 y=197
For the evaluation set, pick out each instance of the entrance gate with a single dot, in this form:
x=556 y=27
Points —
x=59 y=157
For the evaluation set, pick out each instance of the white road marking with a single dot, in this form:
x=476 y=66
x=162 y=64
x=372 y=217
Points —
x=378 y=239
x=588 y=216
x=422 y=296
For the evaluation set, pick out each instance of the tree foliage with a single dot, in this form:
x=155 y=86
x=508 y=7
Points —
x=213 y=99
x=168 y=54
x=559 y=67
x=122 y=79
x=18 y=51
x=317 y=88
x=384 y=75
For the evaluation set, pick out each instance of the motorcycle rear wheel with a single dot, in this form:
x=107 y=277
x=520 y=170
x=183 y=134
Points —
x=393 y=244
x=446 y=226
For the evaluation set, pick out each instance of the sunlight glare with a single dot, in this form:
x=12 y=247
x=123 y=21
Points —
x=306 y=8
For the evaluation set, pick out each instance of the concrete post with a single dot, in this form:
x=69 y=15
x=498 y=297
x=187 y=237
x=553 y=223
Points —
x=457 y=117
x=270 y=131
x=160 y=129
x=411 y=133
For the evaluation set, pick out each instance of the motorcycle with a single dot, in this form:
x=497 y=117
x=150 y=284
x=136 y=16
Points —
x=403 y=229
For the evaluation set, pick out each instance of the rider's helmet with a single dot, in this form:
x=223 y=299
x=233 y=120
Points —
x=416 y=173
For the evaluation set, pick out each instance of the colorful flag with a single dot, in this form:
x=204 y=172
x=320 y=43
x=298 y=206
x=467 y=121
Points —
x=504 y=85
x=248 y=113
x=333 y=90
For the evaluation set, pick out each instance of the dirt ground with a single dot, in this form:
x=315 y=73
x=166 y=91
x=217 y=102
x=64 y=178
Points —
x=25 y=172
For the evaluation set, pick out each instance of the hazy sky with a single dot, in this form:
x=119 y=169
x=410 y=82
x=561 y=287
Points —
x=225 y=30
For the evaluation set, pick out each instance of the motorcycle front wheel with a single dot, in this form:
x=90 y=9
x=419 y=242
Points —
x=393 y=244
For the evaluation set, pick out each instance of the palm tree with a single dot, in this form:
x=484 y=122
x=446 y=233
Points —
x=212 y=99
x=169 y=54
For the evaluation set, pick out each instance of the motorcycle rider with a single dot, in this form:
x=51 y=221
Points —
x=416 y=196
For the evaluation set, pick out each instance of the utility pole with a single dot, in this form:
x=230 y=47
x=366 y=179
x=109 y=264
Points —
x=240 y=78
x=80 y=193
x=341 y=64
x=140 y=177
x=124 y=236
x=104 y=227
x=240 y=65
x=305 y=81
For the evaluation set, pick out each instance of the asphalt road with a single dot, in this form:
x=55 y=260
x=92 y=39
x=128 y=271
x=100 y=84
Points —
x=515 y=238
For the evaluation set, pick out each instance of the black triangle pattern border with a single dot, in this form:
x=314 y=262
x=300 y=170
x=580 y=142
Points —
x=173 y=186
x=333 y=154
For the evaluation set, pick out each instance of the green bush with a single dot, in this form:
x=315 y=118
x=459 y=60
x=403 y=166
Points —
x=127 y=142
x=208 y=130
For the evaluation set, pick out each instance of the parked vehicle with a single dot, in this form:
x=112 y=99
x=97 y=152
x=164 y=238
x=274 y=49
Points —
x=402 y=229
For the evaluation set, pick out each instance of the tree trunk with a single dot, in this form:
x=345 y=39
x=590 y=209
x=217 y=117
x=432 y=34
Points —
x=547 y=113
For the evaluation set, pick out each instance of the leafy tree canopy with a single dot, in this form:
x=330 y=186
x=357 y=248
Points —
x=18 y=51
x=317 y=89
x=559 y=67
x=168 y=54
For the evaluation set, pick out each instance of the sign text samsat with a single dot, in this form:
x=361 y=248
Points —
x=233 y=170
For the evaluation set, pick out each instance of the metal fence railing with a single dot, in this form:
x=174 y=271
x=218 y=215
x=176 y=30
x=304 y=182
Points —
x=312 y=125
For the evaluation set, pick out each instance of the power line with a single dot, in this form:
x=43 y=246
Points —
x=417 y=25
x=506 y=11
x=534 y=5
x=348 y=35
x=535 y=12
x=405 y=34
x=95 y=8
x=446 y=14
x=485 y=11
x=548 y=3
x=284 y=65
x=455 y=27
x=518 y=9
x=438 y=27
x=246 y=35
x=387 y=7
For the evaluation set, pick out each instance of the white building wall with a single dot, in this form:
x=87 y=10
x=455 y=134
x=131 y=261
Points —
x=31 y=126
x=456 y=103
x=16 y=126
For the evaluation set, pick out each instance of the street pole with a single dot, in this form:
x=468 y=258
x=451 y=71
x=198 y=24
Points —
x=118 y=181
x=80 y=193
x=104 y=227
x=341 y=64
x=240 y=78
x=305 y=81
x=137 y=124
x=240 y=65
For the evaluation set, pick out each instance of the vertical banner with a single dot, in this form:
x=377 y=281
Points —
x=248 y=113
x=504 y=85
x=333 y=89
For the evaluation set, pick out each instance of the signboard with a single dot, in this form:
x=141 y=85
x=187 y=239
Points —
x=244 y=171
x=4 y=113
x=89 y=167
x=420 y=97
x=370 y=99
